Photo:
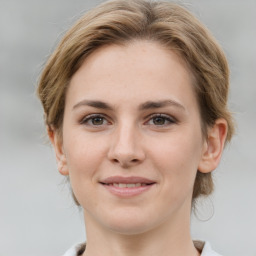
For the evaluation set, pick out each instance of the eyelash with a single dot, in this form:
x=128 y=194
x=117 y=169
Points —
x=167 y=118
x=90 y=118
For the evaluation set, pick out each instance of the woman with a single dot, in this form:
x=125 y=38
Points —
x=135 y=101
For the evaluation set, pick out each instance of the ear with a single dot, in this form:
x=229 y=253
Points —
x=213 y=146
x=58 y=147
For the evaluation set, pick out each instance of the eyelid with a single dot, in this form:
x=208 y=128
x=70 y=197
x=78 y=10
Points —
x=168 y=117
x=86 y=118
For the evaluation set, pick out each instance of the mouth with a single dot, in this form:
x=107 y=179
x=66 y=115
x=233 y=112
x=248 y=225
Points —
x=127 y=186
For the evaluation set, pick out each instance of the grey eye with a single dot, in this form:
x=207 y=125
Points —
x=94 y=120
x=159 y=120
x=97 y=120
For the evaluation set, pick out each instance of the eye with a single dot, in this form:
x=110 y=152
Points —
x=94 y=120
x=161 y=120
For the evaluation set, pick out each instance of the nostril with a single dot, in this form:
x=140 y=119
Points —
x=126 y=162
x=133 y=160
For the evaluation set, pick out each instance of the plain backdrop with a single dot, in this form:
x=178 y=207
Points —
x=37 y=214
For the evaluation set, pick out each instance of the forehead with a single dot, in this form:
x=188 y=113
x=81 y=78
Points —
x=140 y=69
x=140 y=53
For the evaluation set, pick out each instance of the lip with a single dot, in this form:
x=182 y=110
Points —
x=126 y=180
x=146 y=184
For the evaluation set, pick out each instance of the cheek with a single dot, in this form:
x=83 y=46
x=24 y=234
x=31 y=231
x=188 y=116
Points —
x=84 y=155
x=177 y=159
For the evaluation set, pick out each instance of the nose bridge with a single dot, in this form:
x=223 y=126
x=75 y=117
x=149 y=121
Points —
x=126 y=148
x=124 y=139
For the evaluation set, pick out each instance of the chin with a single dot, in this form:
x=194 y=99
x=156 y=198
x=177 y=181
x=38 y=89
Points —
x=130 y=229
x=129 y=222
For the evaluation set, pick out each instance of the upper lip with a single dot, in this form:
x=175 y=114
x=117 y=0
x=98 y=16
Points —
x=126 y=180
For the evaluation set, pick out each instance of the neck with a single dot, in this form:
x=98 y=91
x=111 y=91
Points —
x=169 y=238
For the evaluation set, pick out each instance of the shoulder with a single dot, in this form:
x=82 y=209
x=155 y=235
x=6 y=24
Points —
x=75 y=250
x=205 y=248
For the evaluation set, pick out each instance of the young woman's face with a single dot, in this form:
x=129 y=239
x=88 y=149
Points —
x=132 y=140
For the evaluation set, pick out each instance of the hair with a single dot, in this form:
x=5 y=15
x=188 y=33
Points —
x=122 y=21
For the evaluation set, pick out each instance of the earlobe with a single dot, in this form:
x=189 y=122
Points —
x=62 y=165
x=59 y=152
x=213 y=147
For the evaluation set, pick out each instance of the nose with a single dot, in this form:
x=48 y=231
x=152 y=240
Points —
x=126 y=147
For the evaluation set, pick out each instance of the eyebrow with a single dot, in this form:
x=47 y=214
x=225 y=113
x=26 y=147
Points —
x=93 y=103
x=144 y=106
x=160 y=104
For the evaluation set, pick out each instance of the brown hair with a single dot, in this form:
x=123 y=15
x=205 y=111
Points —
x=121 y=21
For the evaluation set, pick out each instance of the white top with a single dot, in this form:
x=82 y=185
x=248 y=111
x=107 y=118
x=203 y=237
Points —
x=205 y=247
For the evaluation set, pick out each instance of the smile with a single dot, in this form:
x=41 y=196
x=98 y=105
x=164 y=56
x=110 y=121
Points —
x=131 y=185
x=127 y=186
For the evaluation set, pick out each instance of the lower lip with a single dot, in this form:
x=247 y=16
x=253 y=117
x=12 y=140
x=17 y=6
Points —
x=127 y=192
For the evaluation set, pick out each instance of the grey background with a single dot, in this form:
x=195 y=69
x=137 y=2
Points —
x=37 y=215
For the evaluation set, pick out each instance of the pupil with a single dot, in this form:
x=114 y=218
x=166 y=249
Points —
x=159 y=120
x=97 y=120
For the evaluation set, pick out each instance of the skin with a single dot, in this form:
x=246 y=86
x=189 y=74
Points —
x=126 y=135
